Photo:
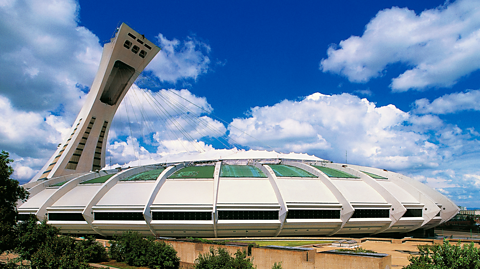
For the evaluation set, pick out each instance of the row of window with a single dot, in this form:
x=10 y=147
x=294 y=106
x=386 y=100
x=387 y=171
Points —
x=227 y=215
x=182 y=215
x=247 y=215
x=313 y=214
x=118 y=216
x=371 y=213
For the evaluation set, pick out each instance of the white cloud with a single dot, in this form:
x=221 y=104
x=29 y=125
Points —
x=179 y=60
x=450 y=103
x=332 y=126
x=441 y=45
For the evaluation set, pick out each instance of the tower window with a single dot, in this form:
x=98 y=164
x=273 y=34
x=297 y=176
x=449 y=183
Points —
x=143 y=54
x=127 y=44
x=135 y=49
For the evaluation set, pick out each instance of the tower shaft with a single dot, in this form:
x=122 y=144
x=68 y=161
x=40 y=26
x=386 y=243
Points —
x=123 y=59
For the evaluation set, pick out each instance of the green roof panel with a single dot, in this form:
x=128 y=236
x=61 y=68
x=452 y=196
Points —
x=59 y=184
x=241 y=171
x=334 y=173
x=373 y=175
x=101 y=179
x=148 y=175
x=289 y=171
x=194 y=172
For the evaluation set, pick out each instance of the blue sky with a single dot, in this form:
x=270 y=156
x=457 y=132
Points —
x=394 y=84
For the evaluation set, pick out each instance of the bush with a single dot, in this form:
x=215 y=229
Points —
x=31 y=236
x=134 y=249
x=59 y=252
x=94 y=251
x=44 y=247
x=446 y=256
x=220 y=258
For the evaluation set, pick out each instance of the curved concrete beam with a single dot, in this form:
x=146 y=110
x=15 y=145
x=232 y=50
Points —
x=347 y=208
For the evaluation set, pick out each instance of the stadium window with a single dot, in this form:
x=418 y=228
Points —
x=23 y=217
x=313 y=214
x=371 y=213
x=413 y=213
x=135 y=49
x=181 y=215
x=247 y=215
x=118 y=216
x=65 y=217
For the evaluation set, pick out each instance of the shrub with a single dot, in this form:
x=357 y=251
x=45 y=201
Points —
x=59 y=252
x=94 y=251
x=220 y=258
x=136 y=250
x=31 y=236
x=277 y=265
x=446 y=256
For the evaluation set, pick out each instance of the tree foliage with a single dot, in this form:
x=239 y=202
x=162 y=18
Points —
x=136 y=250
x=10 y=193
x=44 y=247
x=220 y=258
x=446 y=256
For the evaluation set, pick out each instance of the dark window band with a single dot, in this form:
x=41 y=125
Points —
x=182 y=215
x=118 y=216
x=66 y=216
x=313 y=214
x=247 y=215
x=371 y=213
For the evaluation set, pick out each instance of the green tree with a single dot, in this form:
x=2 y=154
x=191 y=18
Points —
x=10 y=193
x=136 y=250
x=44 y=247
x=446 y=256
x=94 y=251
x=220 y=258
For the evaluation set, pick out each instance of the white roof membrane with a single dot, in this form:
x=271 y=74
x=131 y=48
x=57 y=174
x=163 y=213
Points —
x=305 y=191
x=246 y=191
x=181 y=192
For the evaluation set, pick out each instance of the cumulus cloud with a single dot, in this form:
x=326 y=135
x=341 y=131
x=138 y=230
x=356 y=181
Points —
x=439 y=45
x=180 y=60
x=450 y=103
x=331 y=126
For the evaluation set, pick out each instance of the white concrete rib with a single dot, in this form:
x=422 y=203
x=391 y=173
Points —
x=216 y=181
x=347 y=209
x=282 y=214
x=88 y=212
x=397 y=209
x=158 y=185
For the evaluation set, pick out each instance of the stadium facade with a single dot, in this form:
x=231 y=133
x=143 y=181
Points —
x=235 y=193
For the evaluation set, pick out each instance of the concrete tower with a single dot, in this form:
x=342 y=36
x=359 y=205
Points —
x=123 y=59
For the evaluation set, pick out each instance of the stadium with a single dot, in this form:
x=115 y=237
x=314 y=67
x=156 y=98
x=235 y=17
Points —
x=231 y=193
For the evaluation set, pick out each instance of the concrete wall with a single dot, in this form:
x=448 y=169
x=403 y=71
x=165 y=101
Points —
x=264 y=258
x=326 y=260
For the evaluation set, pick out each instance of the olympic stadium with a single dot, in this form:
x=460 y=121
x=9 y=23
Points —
x=227 y=194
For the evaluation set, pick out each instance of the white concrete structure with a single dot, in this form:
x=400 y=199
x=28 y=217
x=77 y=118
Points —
x=219 y=194
x=123 y=59
x=227 y=197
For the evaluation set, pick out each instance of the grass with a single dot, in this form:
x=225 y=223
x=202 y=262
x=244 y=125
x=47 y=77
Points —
x=286 y=243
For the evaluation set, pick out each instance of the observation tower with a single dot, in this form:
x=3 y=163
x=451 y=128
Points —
x=123 y=59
